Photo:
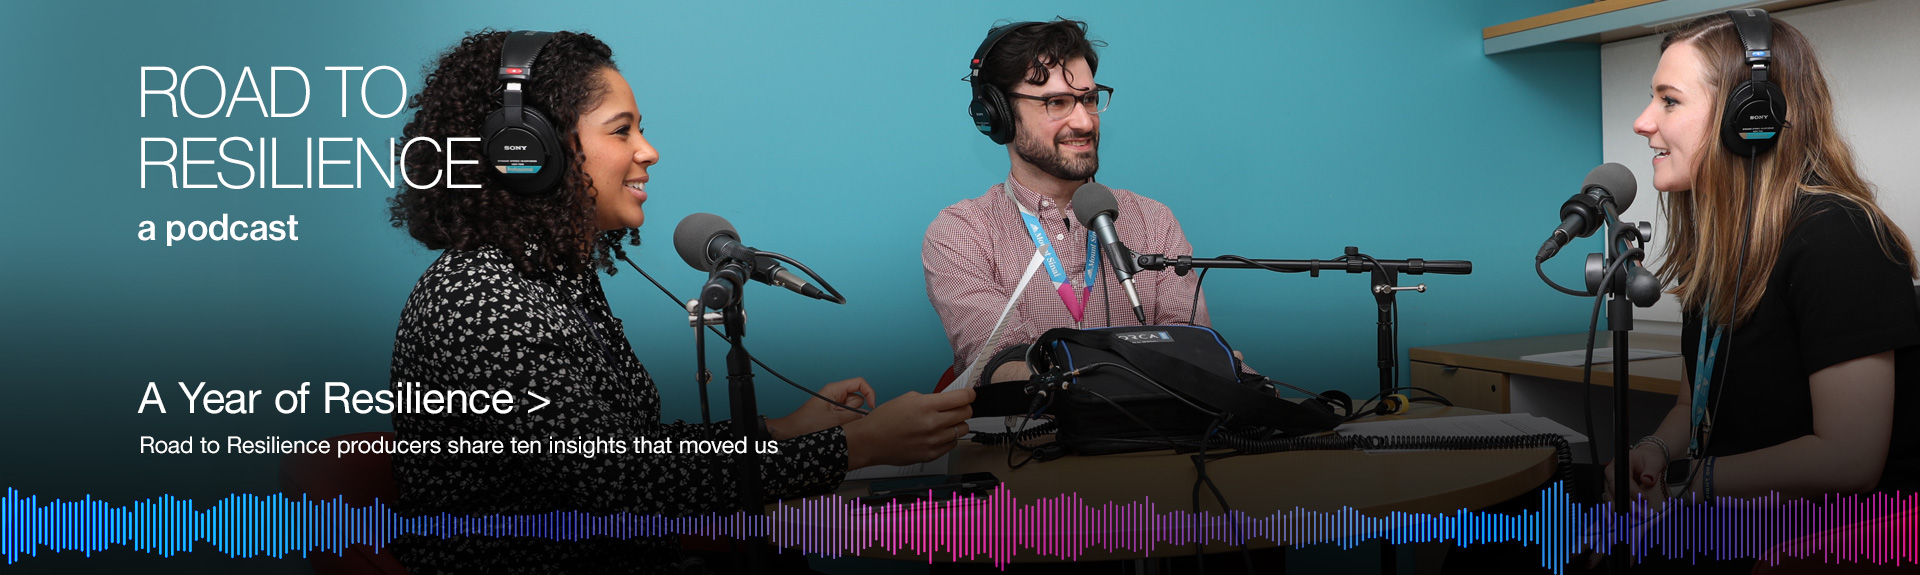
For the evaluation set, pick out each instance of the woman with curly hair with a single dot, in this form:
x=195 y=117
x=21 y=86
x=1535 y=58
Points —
x=514 y=303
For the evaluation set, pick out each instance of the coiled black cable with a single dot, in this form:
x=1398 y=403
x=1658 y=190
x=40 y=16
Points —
x=1015 y=436
x=1563 y=453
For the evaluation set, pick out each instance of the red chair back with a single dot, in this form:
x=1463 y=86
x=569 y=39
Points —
x=946 y=379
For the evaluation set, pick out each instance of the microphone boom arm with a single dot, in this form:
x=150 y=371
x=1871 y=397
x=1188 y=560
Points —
x=1383 y=287
x=1413 y=266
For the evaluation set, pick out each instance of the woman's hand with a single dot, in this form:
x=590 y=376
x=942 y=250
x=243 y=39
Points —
x=913 y=428
x=816 y=415
x=1648 y=472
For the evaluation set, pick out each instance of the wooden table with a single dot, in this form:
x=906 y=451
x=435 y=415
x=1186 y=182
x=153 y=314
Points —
x=1490 y=375
x=1480 y=374
x=1261 y=485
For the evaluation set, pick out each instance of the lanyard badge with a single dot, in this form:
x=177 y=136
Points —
x=1703 y=381
x=1057 y=272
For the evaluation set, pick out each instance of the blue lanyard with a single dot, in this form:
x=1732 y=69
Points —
x=1703 y=378
x=1057 y=272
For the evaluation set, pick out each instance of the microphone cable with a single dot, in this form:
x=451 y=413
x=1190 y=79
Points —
x=1200 y=478
x=1194 y=312
x=1365 y=407
x=1393 y=313
x=1543 y=277
x=1593 y=327
x=837 y=298
x=862 y=410
x=1586 y=367
x=1393 y=316
x=1739 y=275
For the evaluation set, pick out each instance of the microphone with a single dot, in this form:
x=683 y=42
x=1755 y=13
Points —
x=1581 y=215
x=709 y=243
x=1093 y=203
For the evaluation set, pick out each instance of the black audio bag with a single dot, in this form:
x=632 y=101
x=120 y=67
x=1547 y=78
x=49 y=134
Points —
x=1108 y=407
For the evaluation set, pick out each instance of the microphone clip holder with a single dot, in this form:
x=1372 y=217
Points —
x=1639 y=287
x=724 y=284
x=1180 y=264
x=695 y=318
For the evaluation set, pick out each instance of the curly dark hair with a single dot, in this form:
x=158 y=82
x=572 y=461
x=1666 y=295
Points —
x=543 y=234
x=1025 y=54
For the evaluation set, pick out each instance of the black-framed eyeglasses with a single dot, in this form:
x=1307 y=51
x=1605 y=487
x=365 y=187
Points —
x=1060 y=106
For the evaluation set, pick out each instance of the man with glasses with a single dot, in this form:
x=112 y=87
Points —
x=1034 y=91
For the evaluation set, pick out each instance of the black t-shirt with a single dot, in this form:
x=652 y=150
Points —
x=1833 y=296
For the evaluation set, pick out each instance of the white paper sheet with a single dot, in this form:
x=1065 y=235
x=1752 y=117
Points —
x=971 y=376
x=935 y=467
x=1601 y=355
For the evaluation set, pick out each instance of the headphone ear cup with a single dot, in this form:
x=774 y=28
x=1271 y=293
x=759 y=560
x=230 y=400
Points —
x=525 y=159
x=999 y=115
x=1339 y=399
x=1754 y=118
x=982 y=113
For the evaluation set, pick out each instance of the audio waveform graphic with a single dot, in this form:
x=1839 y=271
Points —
x=1882 y=529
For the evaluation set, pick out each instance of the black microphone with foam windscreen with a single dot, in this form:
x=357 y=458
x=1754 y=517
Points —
x=1094 y=204
x=1581 y=215
x=709 y=243
x=704 y=240
x=1613 y=185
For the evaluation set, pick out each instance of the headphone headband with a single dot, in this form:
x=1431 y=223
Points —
x=1756 y=109
x=986 y=46
x=1755 y=30
x=520 y=52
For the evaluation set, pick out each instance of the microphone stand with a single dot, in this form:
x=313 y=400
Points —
x=1385 y=275
x=727 y=292
x=698 y=317
x=1620 y=322
x=1384 y=287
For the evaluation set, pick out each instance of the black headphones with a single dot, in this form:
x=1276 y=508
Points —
x=989 y=109
x=1756 y=109
x=517 y=139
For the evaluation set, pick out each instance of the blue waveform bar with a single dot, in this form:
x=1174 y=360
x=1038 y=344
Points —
x=1880 y=528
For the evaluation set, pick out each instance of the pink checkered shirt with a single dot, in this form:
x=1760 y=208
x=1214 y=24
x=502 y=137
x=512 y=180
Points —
x=976 y=251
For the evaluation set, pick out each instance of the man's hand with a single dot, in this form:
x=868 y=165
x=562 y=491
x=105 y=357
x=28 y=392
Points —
x=913 y=428
x=1010 y=371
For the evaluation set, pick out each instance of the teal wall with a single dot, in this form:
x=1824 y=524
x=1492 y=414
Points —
x=832 y=133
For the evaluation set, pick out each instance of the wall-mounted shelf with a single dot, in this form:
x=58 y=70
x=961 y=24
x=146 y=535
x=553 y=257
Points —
x=1612 y=20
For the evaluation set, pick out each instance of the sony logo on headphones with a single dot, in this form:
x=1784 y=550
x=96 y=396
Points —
x=1759 y=117
x=523 y=148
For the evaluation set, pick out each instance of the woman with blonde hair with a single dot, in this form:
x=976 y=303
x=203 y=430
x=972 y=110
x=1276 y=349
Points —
x=1800 y=329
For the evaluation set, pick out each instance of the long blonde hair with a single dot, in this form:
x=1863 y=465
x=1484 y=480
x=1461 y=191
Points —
x=1709 y=223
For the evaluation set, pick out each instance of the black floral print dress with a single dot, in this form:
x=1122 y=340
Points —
x=474 y=322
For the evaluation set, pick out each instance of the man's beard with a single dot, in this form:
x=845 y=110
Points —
x=1045 y=155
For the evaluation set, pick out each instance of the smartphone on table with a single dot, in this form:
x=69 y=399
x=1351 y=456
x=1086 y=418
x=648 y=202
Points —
x=937 y=487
